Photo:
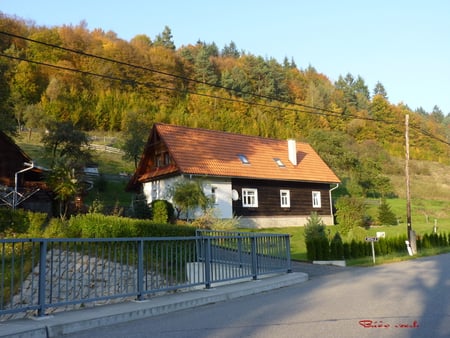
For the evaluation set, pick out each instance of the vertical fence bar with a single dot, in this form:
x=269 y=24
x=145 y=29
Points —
x=140 y=270
x=288 y=253
x=240 y=249
x=207 y=247
x=2 y=277
x=254 y=257
x=42 y=273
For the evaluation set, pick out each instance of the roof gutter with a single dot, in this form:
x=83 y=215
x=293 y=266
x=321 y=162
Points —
x=331 y=201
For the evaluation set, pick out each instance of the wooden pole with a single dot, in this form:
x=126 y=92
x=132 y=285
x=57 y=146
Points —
x=408 y=192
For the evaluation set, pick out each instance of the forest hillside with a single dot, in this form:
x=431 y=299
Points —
x=99 y=82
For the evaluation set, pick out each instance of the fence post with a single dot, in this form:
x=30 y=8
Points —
x=140 y=270
x=199 y=245
x=207 y=246
x=240 y=249
x=254 y=258
x=288 y=253
x=42 y=273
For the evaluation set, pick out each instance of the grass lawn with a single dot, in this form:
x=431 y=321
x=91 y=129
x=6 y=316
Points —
x=424 y=212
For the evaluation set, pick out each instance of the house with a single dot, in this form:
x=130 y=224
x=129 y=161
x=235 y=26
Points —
x=21 y=182
x=265 y=182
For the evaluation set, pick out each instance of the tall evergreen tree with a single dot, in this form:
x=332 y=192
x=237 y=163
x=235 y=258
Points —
x=230 y=51
x=379 y=90
x=165 y=39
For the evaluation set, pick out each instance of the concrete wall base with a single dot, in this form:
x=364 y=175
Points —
x=336 y=263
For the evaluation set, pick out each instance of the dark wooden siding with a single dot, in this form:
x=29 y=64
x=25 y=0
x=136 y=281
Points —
x=269 y=198
x=11 y=160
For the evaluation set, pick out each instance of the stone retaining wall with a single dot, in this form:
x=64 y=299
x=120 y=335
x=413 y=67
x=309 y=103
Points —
x=71 y=276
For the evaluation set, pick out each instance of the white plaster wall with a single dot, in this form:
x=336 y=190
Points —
x=159 y=190
x=223 y=206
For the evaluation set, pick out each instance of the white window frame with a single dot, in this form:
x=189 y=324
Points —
x=316 y=199
x=249 y=198
x=285 y=198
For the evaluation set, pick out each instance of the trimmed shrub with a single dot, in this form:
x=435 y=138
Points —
x=347 y=250
x=310 y=250
x=101 y=226
x=336 y=247
x=162 y=211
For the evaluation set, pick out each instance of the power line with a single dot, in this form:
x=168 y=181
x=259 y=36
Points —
x=163 y=73
x=147 y=84
x=323 y=111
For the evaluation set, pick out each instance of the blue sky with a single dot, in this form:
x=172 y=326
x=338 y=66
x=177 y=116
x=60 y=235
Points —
x=403 y=44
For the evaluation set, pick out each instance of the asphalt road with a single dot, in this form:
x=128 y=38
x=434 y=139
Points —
x=406 y=299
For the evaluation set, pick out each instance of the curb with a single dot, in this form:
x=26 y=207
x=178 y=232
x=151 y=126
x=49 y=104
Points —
x=75 y=321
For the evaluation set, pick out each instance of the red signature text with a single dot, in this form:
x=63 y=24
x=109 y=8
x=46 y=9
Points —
x=379 y=324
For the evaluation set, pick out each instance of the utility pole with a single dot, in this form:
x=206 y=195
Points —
x=408 y=192
x=411 y=234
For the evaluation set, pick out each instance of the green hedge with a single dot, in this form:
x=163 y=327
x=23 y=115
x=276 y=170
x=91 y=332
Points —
x=320 y=249
x=101 y=226
x=15 y=223
x=20 y=223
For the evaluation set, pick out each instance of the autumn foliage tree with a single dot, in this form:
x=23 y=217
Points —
x=93 y=79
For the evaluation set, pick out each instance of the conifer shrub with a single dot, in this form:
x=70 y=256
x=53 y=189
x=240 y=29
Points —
x=354 y=249
x=337 y=247
x=140 y=208
x=162 y=211
x=314 y=227
x=324 y=245
x=315 y=238
x=310 y=251
x=385 y=214
x=347 y=250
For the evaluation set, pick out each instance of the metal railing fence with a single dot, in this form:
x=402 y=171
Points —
x=255 y=254
x=39 y=276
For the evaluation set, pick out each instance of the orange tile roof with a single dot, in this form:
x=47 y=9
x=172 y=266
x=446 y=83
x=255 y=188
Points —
x=215 y=153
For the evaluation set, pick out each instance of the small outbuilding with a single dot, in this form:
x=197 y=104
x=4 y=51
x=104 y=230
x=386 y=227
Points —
x=22 y=184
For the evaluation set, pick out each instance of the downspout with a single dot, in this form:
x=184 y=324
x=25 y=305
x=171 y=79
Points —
x=30 y=166
x=331 y=201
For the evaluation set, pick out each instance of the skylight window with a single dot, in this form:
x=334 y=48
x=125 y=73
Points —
x=279 y=162
x=243 y=159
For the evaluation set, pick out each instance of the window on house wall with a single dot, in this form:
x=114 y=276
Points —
x=213 y=194
x=250 y=198
x=166 y=158
x=285 y=198
x=316 y=199
x=158 y=160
